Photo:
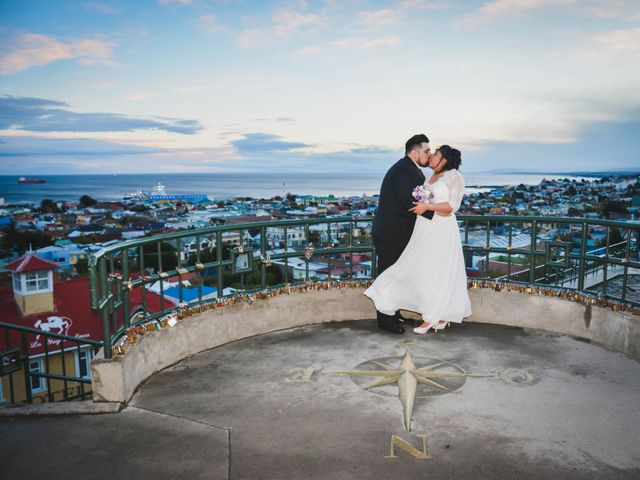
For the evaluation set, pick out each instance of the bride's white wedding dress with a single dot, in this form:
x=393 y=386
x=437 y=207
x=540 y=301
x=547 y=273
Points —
x=429 y=277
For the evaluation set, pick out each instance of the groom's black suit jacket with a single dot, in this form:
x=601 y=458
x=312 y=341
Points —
x=393 y=223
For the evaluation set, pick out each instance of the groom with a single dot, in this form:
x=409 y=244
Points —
x=393 y=223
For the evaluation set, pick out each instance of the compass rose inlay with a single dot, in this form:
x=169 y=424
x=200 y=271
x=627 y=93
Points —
x=437 y=377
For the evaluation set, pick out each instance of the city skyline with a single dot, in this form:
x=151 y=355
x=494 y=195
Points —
x=239 y=86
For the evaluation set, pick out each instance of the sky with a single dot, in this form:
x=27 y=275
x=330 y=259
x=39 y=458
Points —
x=150 y=86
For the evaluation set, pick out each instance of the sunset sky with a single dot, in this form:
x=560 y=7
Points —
x=326 y=86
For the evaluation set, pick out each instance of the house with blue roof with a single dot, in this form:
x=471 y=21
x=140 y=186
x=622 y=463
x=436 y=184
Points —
x=64 y=256
x=190 y=294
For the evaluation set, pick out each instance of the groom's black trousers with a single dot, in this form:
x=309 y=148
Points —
x=388 y=253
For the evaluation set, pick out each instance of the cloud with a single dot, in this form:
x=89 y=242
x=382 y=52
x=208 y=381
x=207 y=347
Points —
x=372 y=150
x=351 y=43
x=102 y=8
x=29 y=146
x=211 y=24
x=253 y=38
x=284 y=23
x=365 y=42
x=610 y=45
x=292 y=156
x=287 y=22
x=141 y=95
x=41 y=115
x=498 y=9
x=401 y=12
x=37 y=156
x=231 y=82
x=381 y=18
x=261 y=143
x=595 y=141
x=33 y=50
x=181 y=3
x=102 y=85
x=628 y=10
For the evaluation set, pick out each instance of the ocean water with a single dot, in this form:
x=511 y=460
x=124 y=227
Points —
x=220 y=186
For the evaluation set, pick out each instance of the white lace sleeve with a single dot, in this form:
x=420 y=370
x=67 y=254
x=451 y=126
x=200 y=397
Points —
x=455 y=184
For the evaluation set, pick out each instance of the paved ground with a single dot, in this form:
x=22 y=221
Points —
x=269 y=408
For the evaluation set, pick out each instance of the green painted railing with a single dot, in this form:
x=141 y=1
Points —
x=249 y=257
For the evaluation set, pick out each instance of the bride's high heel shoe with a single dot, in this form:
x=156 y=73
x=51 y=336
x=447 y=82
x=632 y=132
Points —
x=422 y=330
x=441 y=325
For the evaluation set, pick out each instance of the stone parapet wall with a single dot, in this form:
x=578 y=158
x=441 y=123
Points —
x=116 y=380
x=616 y=330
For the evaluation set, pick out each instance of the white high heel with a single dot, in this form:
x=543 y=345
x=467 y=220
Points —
x=441 y=325
x=422 y=330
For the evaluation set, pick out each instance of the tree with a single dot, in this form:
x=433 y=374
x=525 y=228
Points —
x=314 y=238
x=574 y=212
x=82 y=266
x=252 y=279
x=87 y=201
x=5 y=245
x=49 y=206
x=139 y=208
x=21 y=240
x=615 y=236
x=613 y=206
x=169 y=256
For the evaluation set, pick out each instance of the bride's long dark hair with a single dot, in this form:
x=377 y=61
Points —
x=452 y=156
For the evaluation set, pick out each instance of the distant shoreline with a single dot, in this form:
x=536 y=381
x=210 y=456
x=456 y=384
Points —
x=590 y=174
x=226 y=186
x=612 y=173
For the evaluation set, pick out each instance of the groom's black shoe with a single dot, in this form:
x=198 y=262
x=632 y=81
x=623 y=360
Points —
x=401 y=319
x=389 y=323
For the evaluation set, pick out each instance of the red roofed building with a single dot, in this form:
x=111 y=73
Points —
x=32 y=281
x=39 y=301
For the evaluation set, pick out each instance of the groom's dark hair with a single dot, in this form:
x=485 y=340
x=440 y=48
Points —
x=415 y=142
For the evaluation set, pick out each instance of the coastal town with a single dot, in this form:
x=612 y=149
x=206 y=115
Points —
x=66 y=233
x=45 y=249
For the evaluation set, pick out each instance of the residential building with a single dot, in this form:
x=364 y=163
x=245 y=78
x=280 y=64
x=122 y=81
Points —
x=38 y=299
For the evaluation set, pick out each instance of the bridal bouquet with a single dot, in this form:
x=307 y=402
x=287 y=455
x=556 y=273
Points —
x=422 y=194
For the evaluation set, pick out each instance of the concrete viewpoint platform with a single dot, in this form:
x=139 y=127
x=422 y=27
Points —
x=535 y=405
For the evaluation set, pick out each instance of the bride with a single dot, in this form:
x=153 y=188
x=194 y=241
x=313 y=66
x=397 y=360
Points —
x=429 y=277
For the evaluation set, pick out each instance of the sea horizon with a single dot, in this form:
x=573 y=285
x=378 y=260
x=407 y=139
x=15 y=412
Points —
x=225 y=186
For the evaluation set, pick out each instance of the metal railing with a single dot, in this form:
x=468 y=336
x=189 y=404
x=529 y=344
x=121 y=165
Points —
x=39 y=366
x=141 y=281
x=559 y=253
x=244 y=254
x=569 y=274
x=552 y=251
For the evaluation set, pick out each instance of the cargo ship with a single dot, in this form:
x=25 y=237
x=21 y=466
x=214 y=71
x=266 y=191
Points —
x=31 y=180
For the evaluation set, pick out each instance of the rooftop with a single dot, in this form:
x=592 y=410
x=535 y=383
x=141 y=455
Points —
x=30 y=263
x=272 y=407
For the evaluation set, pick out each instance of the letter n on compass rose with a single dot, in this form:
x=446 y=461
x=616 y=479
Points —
x=412 y=382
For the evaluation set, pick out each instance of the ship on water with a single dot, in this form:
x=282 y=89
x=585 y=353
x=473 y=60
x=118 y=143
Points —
x=159 y=195
x=31 y=180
